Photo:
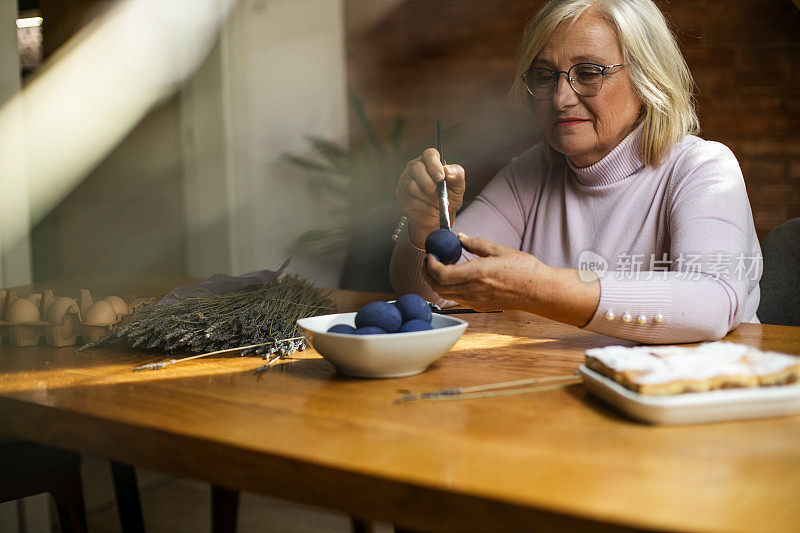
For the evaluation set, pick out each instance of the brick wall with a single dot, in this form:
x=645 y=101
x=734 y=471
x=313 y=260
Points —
x=745 y=57
x=453 y=60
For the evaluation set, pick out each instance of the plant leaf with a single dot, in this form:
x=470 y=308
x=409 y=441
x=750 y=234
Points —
x=329 y=149
x=327 y=241
x=358 y=107
x=307 y=163
x=325 y=184
x=397 y=131
x=314 y=235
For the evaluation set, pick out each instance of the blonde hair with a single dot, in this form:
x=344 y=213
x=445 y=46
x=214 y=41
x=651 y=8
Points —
x=652 y=59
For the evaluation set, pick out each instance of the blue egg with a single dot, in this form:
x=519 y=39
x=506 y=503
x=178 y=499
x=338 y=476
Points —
x=414 y=307
x=370 y=330
x=415 y=325
x=444 y=245
x=381 y=315
x=342 y=328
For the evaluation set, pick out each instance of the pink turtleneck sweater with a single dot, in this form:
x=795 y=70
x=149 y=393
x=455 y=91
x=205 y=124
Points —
x=674 y=245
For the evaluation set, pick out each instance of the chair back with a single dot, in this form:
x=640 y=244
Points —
x=366 y=266
x=780 y=282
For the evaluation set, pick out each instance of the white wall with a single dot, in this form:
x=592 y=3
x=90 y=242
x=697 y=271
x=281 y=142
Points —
x=283 y=76
x=9 y=55
x=277 y=74
x=205 y=185
x=15 y=262
x=126 y=217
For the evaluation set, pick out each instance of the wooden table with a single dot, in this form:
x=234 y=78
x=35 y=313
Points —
x=554 y=460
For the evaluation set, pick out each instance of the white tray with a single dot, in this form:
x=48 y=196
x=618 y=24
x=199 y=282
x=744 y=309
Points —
x=695 y=407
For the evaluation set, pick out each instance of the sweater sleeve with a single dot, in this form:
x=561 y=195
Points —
x=701 y=291
x=496 y=214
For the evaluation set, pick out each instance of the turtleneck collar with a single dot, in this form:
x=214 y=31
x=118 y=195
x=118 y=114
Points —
x=624 y=160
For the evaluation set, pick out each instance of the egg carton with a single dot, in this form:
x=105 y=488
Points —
x=61 y=320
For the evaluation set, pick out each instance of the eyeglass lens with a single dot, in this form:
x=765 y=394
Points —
x=585 y=78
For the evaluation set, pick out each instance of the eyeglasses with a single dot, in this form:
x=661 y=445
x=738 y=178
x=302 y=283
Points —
x=586 y=79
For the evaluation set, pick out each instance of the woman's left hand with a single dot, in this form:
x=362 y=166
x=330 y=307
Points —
x=501 y=278
x=505 y=278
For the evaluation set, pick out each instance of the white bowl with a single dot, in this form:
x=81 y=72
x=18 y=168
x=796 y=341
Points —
x=387 y=355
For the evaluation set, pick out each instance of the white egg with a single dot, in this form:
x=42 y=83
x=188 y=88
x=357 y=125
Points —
x=120 y=307
x=60 y=307
x=100 y=314
x=23 y=311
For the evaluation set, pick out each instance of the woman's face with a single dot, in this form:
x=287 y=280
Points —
x=585 y=128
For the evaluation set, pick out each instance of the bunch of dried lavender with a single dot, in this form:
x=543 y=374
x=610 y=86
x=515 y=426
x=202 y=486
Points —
x=260 y=320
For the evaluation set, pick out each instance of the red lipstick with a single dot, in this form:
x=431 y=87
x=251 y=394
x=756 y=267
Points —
x=569 y=121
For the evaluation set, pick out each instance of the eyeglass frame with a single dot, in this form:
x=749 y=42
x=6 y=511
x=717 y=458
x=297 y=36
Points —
x=557 y=77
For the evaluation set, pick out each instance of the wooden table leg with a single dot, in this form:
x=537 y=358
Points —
x=224 y=509
x=362 y=526
x=129 y=506
x=68 y=497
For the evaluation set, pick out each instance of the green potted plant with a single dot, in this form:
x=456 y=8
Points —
x=355 y=183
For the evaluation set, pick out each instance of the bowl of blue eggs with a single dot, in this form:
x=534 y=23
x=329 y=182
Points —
x=384 y=339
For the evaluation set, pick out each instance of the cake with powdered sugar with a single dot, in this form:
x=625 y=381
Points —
x=662 y=370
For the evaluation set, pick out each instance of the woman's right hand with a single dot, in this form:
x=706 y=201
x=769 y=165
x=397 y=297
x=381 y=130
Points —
x=416 y=193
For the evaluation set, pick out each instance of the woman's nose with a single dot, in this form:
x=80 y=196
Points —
x=564 y=95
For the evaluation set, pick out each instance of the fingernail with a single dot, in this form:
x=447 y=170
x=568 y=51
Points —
x=450 y=171
x=463 y=236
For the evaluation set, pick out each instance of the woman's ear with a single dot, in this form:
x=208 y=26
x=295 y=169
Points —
x=641 y=111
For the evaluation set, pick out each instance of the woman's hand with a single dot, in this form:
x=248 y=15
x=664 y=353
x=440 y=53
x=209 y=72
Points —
x=416 y=193
x=501 y=278
x=504 y=278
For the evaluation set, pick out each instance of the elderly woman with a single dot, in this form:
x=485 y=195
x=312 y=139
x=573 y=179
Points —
x=621 y=221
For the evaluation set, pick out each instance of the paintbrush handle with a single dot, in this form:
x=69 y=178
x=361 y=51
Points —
x=462 y=311
x=444 y=206
x=441 y=187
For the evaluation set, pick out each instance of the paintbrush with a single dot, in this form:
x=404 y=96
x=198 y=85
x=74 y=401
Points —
x=495 y=389
x=441 y=187
x=443 y=243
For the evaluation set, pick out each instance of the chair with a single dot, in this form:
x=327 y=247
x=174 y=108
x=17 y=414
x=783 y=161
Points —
x=29 y=469
x=780 y=282
x=366 y=266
